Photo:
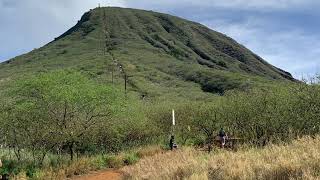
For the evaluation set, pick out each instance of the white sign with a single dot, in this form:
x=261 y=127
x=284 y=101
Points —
x=173 y=118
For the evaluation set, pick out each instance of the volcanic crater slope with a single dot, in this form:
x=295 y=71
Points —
x=162 y=55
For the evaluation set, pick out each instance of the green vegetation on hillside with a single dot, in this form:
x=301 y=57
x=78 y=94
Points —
x=49 y=117
x=165 y=56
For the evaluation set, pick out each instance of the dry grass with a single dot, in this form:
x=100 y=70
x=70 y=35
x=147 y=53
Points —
x=149 y=151
x=166 y=165
x=86 y=164
x=299 y=160
x=80 y=166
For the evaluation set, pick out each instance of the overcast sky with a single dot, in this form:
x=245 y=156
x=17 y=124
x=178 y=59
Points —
x=284 y=32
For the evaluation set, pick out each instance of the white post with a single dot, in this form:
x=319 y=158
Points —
x=173 y=118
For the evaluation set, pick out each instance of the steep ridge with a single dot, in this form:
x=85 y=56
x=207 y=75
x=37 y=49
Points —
x=162 y=54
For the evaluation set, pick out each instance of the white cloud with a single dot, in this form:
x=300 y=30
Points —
x=28 y=24
x=293 y=50
x=274 y=4
x=261 y=5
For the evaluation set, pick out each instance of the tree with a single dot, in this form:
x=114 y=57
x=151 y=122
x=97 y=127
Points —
x=55 y=110
x=209 y=119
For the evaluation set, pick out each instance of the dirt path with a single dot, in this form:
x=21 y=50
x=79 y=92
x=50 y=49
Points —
x=101 y=175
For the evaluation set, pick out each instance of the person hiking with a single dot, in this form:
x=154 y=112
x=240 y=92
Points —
x=171 y=143
x=222 y=137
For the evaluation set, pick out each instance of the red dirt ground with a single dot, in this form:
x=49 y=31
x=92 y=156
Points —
x=101 y=175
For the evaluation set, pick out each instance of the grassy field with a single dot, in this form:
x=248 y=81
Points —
x=297 y=160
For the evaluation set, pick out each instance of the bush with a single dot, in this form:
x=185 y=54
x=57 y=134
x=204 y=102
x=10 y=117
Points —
x=130 y=159
x=222 y=64
x=113 y=161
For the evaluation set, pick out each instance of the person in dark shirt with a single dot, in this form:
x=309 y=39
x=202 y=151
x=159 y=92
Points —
x=222 y=133
x=222 y=136
x=171 y=142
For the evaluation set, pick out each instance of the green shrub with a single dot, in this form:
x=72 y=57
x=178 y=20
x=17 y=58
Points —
x=99 y=162
x=130 y=159
x=222 y=64
x=113 y=161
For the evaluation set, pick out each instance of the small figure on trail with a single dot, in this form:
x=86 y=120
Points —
x=222 y=136
x=172 y=144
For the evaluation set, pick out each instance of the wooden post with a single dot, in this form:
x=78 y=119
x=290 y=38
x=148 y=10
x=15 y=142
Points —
x=101 y=46
x=126 y=77
x=125 y=84
x=105 y=47
x=112 y=73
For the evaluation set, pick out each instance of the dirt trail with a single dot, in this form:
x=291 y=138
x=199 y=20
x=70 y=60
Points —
x=101 y=175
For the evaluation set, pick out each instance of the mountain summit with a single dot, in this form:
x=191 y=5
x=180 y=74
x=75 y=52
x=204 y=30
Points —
x=157 y=54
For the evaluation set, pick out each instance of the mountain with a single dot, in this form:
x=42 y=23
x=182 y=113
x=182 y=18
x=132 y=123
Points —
x=159 y=54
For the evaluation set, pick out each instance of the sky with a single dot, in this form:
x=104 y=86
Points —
x=283 y=32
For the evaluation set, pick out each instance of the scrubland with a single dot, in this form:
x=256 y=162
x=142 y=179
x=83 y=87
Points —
x=297 y=160
x=63 y=123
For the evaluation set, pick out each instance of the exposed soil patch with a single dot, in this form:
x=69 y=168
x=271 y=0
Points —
x=109 y=174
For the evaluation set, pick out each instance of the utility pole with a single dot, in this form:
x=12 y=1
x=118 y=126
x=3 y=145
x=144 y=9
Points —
x=125 y=83
x=113 y=64
x=105 y=33
x=112 y=73
x=101 y=46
